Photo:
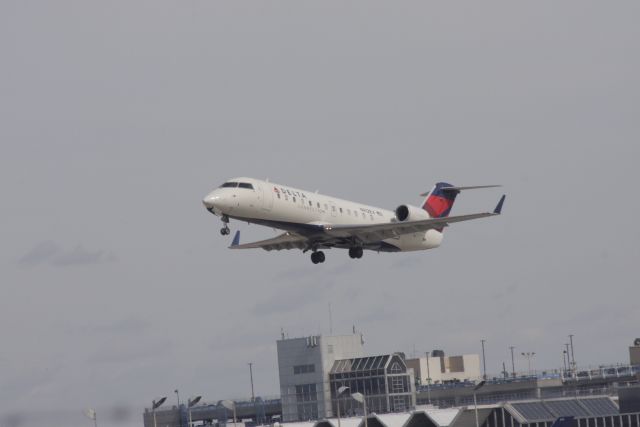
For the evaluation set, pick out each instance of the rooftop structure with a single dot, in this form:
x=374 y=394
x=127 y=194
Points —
x=577 y=412
x=438 y=368
x=304 y=365
x=385 y=381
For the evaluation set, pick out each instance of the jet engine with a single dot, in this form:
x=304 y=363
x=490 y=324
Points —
x=410 y=213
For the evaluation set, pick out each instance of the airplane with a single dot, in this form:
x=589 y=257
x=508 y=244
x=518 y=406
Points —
x=312 y=221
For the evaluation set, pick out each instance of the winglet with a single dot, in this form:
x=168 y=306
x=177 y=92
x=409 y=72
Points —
x=498 y=208
x=236 y=239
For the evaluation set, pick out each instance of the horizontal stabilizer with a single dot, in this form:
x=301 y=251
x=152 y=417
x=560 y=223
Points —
x=458 y=189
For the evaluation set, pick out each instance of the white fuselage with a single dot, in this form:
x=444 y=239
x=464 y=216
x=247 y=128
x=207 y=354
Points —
x=287 y=208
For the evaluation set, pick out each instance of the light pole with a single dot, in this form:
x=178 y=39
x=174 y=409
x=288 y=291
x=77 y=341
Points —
x=564 y=363
x=192 y=402
x=359 y=397
x=253 y=398
x=475 y=401
x=341 y=390
x=428 y=381
x=513 y=363
x=178 y=395
x=155 y=404
x=484 y=362
x=529 y=355
x=573 y=355
x=229 y=404
x=91 y=414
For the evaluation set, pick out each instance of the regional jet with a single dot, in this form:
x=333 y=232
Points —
x=313 y=222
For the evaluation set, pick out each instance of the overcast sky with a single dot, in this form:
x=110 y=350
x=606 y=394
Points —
x=117 y=117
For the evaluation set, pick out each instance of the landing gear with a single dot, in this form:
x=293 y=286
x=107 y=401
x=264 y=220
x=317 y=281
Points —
x=317 y=257
x=355 y=252
x=225 y=230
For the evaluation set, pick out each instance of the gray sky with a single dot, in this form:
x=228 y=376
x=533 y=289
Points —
x=116 y=117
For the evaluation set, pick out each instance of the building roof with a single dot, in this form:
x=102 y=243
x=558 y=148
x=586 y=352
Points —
x=551 y=409
x=360 y=364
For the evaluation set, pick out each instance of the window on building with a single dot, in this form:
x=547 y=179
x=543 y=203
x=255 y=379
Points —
x=304 y=369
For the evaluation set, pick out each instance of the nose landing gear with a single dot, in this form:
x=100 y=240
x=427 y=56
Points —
x=317 y=257
x=225 y=230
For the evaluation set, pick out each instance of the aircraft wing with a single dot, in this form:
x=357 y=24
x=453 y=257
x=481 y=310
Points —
x=377 y=232
x=286 y=240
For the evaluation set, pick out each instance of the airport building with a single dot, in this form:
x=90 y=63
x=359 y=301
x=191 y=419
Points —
x=312 y=369
x=434 y=391
x=440 y=369
x=634 y=352
x=304 y=365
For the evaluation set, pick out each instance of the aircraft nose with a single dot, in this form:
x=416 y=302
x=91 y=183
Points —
x=212 y=200
x=208 y=202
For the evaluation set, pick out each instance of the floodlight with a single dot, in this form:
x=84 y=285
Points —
x=358 y=397
x=193 y=401
x=159 y=402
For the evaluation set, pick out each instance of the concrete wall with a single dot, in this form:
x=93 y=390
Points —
x=465 y=367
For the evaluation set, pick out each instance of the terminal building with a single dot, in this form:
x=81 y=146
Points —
x=312 y=369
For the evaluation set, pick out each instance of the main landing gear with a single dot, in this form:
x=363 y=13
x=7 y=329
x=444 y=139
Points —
x=225 y=230
x=355 y=252
x=317 y=257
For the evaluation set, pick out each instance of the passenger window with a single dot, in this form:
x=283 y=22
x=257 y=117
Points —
x=340 y=210
x=294 y=200
x=333 y=208
x=318 y=205
x=279 y=196
x=310 y=203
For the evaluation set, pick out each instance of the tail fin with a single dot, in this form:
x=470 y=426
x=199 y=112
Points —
x=439 y=200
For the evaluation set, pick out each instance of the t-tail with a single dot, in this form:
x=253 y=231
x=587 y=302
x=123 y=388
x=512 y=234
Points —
x=440 y=199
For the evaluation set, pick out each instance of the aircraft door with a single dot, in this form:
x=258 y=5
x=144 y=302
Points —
x=333 y=209
x=266 y=196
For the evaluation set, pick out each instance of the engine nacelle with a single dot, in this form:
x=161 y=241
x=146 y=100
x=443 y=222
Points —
x=410 y=213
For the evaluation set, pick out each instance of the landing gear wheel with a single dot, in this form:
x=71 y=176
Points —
x=225 y=230
x=355 y=252
x=317 y=257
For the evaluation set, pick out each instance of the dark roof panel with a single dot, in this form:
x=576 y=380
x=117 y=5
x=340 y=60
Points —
x=566 y=407
x=600 y=406
x=533 y=411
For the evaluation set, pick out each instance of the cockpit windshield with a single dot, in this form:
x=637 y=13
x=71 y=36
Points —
x=233 y=184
